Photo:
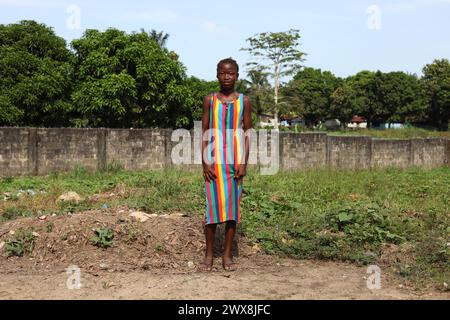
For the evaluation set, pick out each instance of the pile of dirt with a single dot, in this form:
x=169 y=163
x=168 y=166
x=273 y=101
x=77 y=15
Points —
x=173 y=242
x=160 y=259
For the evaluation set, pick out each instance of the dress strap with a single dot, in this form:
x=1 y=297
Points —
x=212 y=100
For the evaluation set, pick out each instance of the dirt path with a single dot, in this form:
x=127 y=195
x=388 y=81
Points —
x=158 y=260
x=289 y=280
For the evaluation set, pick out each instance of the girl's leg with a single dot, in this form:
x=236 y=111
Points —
x=210 y=234
x=230 y=231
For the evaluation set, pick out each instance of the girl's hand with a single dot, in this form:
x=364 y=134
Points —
x=241 y=171
x=208 y=172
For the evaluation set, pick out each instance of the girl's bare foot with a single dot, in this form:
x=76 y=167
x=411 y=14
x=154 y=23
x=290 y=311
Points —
x=207 y=264
x=228 y=264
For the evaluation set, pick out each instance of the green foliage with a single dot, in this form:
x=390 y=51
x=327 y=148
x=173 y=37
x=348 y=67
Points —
x=347 y=215
x=405 y=133
x=379 y=97
x=128 y=80
x=311 y=91
x=436 y=85
x=280 y=55
x=14 y=212
x=159 y=247
x=49 y=227
x=35 y=80
x=199 y=89
x=400 y=96
x=103 y=237
x=365 y=224
x=22 y=242
x=113 y=166
x=259 y=90
x=121 y=80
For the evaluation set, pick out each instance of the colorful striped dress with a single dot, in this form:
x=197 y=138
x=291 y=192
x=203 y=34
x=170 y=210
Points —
x=225 y=152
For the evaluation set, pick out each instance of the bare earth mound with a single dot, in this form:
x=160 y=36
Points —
x=159 y=259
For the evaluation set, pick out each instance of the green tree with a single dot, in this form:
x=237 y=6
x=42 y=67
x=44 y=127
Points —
x=198 y=90
x=160 y=37
x=342 y=104
x=365 y=98
x=128 y=80
x=259 y=90
x=280 y=49
x=399 y=95
x=314 y=88
x=35 y=76
x=436 y=86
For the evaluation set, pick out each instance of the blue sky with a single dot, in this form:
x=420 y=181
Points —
x=340 y=36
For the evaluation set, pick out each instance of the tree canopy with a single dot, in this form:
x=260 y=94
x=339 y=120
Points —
x=128 y=80
x=116 y=79
x=35 y=75
x=281 y=51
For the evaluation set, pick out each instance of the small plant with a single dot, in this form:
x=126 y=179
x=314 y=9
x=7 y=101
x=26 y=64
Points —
x=12 y=213
x=80 y=171
x=133 y=235
x=159 y=247
x=103 y=237
x=8 y=179
x=21 y=243
x=49 y=227
x=114 y=166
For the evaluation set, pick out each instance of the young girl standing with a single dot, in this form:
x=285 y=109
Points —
x=226 y=118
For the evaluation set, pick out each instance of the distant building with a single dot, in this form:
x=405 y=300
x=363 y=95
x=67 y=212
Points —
x=394 y=125
x=265 y=120
x=332 y=124
x=291 y=121
x=357 y=122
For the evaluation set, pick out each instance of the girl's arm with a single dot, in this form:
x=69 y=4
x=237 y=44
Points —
x=247 y=126
x=247 y=117
x=208 y=171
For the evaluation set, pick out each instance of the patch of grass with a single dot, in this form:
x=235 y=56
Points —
x=113 y=166
x=404 y=133
x=346 y=215
x=103 y=237
x=72 y=207
x=12 y=213
x=19 y=244
x=349 y=215
x=131 y=232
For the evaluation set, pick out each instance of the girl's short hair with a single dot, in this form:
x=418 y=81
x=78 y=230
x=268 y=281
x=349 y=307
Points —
x=228 y=61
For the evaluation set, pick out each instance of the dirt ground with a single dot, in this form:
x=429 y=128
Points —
x=159 y=259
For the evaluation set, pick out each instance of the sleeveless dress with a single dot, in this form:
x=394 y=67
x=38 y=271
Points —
x=225 y=152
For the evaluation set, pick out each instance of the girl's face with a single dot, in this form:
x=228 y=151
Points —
x=227 y=75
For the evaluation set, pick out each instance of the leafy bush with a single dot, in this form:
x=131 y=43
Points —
x=21 y=243
x=103 y=237
x=365 y=224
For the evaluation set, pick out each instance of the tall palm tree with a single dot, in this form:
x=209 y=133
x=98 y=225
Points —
x=160 y=37
x=259 y=89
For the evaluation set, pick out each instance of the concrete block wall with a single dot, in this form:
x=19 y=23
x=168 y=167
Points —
x=45 y=150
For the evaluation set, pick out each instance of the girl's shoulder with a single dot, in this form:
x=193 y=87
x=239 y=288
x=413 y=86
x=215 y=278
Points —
x=209 y=97
x=246 y=99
